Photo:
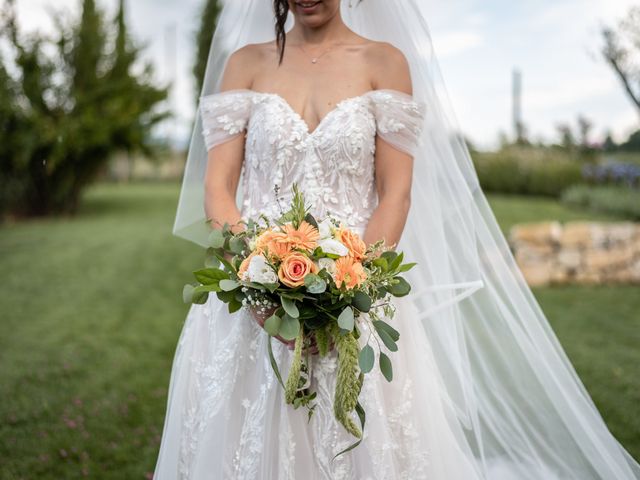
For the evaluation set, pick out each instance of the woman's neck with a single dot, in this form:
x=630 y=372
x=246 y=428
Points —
x=332 y=31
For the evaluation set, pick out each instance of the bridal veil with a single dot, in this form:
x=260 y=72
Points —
x=506 y=380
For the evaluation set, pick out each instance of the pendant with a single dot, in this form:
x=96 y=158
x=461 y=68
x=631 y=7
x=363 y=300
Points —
x=314 y=60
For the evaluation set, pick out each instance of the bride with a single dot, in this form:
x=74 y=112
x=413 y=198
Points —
x=345 y=100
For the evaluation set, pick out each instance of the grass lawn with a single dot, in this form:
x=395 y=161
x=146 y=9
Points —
x=91 y=313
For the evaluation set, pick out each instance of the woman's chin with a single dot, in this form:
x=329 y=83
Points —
x=312 y=14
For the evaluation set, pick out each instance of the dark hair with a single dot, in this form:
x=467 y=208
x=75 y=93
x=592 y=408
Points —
x=281 y=10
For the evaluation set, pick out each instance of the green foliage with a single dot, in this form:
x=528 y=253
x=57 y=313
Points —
x=528 y=170
x=290 y=327
x=366 y=359
x=348 y=380
x=68 y=103
x=322 y=341
x=386 y=367
x=291 y=385
x=204 y=36
x=615 y=200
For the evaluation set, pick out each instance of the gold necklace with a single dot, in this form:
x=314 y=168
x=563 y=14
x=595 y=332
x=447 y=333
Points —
x=315 y=59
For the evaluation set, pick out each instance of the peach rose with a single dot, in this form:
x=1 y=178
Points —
x=350 y=272
x=304 y=237
x=357 y=248
x=294 y=268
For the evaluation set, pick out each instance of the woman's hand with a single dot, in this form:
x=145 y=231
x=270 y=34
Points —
x=261 y=317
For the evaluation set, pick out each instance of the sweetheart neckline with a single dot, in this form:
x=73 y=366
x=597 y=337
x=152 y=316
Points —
x=336 y=108
x=323 y=120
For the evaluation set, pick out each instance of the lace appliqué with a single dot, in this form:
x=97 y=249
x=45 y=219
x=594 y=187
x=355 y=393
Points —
x=333 y=164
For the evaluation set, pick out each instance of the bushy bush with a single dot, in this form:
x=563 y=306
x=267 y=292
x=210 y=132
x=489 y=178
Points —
x=68 y=102
x=616 y=200
x=528 y=171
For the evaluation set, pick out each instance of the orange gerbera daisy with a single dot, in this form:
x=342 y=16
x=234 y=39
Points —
x=305 y=236
x=269 y=236
x=278 y=248
x=350 y=272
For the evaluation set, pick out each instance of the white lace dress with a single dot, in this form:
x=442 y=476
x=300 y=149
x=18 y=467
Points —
x=226 y=416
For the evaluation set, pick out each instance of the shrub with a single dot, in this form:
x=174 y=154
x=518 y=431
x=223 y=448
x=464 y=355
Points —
x=616 y=200
x=68 y=101
x=528 y=171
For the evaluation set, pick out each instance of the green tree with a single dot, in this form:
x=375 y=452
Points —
x=68 y=103
x=208 y=19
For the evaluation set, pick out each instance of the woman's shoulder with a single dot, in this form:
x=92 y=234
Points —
x=244 y=63
x=389 y=66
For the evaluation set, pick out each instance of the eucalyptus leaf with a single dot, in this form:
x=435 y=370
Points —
x=346 y=319
x=193 y=294
x=216 y=239
x=228 y=285
x=401 y=288
x=314 y=284
x=382 y=325
x=361 y=301
x=387 y=340
x=211 y=260
x=289 y=307
x=366 y=359
x=289 y=327
x=187 y=293
x=237 y=245
x=272 y=324
x=385 y=367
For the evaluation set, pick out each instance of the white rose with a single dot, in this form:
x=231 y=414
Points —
x=324 y=227
x=329 y=264
x=260 y=271
x=330 y=245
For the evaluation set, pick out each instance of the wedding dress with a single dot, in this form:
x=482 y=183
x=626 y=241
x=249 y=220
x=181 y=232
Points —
x=482 y=388
x=228 y=418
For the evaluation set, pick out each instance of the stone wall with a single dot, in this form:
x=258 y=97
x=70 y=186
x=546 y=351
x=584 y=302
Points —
x=577 y=252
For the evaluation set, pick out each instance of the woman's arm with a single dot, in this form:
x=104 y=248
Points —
x=393 y=168
x=225 y=160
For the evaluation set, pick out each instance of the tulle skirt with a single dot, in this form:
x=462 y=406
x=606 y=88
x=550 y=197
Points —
x=227 y=419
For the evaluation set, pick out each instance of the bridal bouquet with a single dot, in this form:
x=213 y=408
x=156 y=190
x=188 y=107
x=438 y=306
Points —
x=314 y=283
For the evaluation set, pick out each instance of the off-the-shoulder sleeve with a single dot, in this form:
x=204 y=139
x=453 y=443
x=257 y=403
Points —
x=224 y=115
x=399 y=118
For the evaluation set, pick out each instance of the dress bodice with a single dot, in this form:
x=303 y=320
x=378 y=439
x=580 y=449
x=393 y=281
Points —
x=333 y=165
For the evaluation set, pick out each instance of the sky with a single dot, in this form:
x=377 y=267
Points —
x=553 y=43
